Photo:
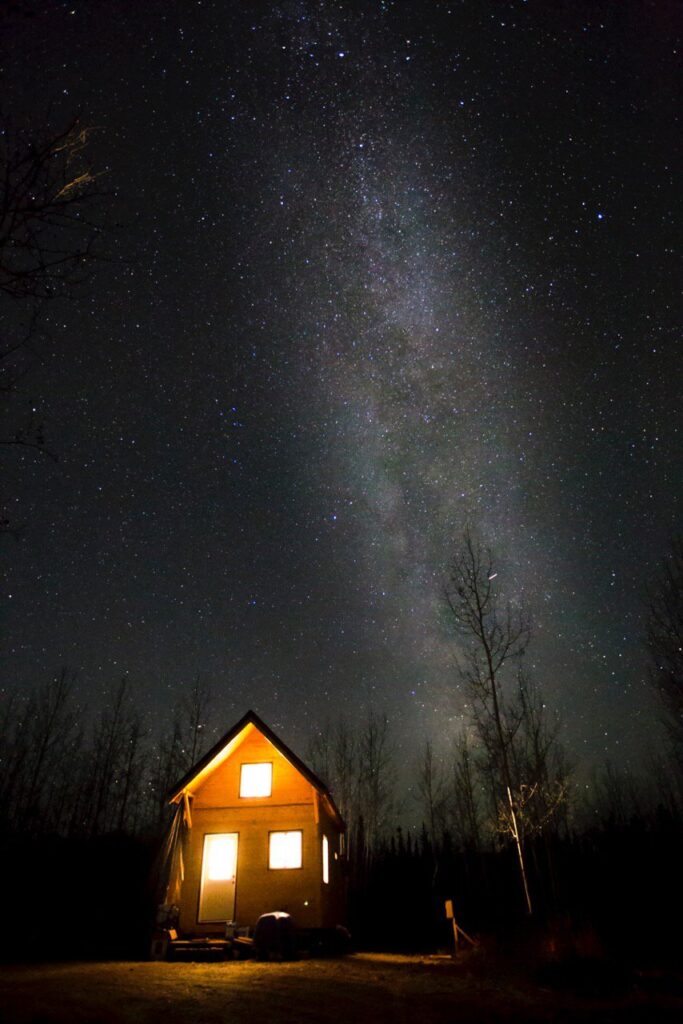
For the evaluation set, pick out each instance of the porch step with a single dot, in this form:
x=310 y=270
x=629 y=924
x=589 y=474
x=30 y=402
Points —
x=168 y=945
x=199 y=949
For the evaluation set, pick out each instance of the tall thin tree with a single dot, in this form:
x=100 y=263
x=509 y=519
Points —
x=495 y=635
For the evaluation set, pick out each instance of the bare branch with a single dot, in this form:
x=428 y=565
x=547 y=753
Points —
x=664 y=641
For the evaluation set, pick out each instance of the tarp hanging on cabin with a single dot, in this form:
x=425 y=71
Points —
x=169 y=869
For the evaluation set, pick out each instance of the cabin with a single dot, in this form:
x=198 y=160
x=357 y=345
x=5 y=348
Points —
x=255 y=831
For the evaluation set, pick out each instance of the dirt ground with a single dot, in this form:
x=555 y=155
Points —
x=359 y=989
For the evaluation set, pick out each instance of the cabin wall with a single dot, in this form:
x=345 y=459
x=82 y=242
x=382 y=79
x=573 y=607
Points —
x=259 y=889
x=333 y=893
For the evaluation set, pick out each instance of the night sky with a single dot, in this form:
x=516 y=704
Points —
x=377 y=270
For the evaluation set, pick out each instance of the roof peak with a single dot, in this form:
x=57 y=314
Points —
x=204 y=764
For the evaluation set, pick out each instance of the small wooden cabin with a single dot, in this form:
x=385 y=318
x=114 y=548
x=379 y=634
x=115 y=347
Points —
x=256 y=831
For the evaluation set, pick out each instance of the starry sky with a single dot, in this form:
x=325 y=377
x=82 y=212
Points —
x=377 y=270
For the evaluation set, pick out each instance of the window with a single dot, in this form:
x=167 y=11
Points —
x=285 y=850
x=256 y=779
x=326 y=860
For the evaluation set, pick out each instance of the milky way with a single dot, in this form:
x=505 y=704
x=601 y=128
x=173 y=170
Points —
x=382 y=271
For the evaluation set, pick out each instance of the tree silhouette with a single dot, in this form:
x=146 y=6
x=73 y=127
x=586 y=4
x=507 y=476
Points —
x=494 y=636
x=665 y=642
x=50 y=234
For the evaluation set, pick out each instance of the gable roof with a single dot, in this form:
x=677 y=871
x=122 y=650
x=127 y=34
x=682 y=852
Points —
x=229 y=743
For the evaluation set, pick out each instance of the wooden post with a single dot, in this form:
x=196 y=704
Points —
x=451 y=917
x=457 y=930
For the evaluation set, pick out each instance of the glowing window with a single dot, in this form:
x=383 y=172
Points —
x=326 y=860
x=220 y=857
x=256 y=779
x=285 y=850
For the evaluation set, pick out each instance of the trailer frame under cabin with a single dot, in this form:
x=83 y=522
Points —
x=255 y=831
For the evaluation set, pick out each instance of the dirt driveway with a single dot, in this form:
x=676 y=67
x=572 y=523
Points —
x=359 y=989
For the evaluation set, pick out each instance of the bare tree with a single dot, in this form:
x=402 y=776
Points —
x=665 y=643
x=38 y=738
x=132 y=764
x=431 y=791
x=177 y=748
x=166 y=767
x=462 y=800
x=115 y=762
x=541 y=769
x=319 y=754
x=618 y=796
x=375 y=778
x=345 y=768
x=359 y=769
x=50 y=234
x=193 y=714
x=494 y=636
x=333 y=755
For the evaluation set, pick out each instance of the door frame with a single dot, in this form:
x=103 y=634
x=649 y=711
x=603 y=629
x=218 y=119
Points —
x=200 y=892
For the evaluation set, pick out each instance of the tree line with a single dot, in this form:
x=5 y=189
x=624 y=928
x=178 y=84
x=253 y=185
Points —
x=64 y=777
x=498 y=825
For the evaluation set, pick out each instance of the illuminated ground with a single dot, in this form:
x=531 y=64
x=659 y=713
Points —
x=358 y=989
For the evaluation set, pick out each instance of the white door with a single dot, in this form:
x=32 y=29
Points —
x=219 y=868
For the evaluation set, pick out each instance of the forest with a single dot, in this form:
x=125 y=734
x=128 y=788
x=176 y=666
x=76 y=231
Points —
x=503 y=831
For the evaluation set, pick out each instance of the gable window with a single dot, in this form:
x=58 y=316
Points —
x=326 y=860
x=286 y=850
x=256 y=779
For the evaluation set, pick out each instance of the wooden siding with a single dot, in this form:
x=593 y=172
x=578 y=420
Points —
x=221 y=788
